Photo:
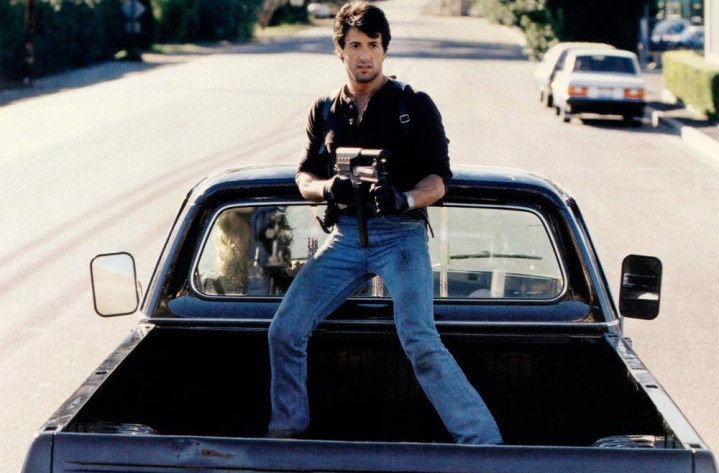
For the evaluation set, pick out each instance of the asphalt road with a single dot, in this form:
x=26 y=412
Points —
x=104 y=167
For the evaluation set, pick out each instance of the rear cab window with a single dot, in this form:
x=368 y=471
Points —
x=501 y=253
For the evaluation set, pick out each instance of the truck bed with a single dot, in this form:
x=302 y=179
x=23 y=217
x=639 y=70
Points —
x=188 y=391
x=558 y=389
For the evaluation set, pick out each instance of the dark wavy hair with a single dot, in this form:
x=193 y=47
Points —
x=367 y=18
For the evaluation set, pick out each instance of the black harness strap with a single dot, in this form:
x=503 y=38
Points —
x=404 y=117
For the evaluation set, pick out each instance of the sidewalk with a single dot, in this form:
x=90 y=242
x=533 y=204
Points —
x=698 y=132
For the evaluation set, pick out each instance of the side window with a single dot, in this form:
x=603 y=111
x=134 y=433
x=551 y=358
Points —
x=256 y=251
x=477 y=253
x=559 y=65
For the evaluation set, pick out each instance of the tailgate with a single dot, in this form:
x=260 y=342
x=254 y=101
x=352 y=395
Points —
x=122 y=453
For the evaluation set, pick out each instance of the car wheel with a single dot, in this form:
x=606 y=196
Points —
x=550 y=100
x=566 y=116
x=557 y=112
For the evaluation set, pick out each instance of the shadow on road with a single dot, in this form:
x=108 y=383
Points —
x=400 y=48
x=103 y=72
x=617 y=124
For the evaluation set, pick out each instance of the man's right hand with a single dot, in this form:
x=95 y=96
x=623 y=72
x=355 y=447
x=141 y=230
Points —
x=338 y=189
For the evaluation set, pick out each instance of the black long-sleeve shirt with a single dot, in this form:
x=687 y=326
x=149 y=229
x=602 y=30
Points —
x=414 y=152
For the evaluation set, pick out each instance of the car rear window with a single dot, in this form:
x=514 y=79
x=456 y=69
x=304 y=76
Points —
x=604 y=63
x=477 y=253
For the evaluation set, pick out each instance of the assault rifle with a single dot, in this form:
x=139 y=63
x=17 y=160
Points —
x=362 y=165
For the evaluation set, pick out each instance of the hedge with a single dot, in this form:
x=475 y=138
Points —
x=76 y=33
x=11 y=39
x=179 y=21
x=693 y=80
x=68 y=33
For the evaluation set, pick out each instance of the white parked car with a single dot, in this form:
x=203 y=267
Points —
x=667 y=34
x=605 y=82
x=552 y=61
x=692 y=38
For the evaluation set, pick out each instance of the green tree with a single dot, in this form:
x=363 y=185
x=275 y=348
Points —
x=547 y=21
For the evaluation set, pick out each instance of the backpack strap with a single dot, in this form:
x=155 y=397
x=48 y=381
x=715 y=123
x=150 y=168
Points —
x=326 y=108
x=402 y=110
x=404 y=118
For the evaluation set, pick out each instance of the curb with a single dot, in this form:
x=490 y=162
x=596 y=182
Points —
x=695 y=139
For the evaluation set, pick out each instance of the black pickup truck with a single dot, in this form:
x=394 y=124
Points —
x=520 y=300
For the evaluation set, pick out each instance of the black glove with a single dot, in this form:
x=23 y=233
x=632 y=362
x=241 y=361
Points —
x=389 y=201
x=338 y=189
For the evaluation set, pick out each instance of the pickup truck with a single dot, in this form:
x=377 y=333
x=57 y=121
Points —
x=521 y=301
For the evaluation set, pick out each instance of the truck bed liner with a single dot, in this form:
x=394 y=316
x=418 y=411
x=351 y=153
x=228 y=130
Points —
x=562 y=390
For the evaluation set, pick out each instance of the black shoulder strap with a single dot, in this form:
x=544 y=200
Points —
x=326 y=107
x=404 y=117
x=326 y=122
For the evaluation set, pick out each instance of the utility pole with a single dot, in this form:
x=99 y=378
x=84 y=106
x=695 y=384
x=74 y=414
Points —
x=644 y=37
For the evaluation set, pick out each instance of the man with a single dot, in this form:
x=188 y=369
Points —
x=365 y=114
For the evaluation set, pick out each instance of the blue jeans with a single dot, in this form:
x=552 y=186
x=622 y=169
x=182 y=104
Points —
x=398 y=253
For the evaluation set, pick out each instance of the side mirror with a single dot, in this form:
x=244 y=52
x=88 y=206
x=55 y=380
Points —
x=641 y=287
x=114 y=284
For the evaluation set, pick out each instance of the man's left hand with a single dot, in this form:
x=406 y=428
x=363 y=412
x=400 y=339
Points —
x=389 y=201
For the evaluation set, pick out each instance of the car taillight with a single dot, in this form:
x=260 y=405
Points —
x=633 y=93
x=575 y=91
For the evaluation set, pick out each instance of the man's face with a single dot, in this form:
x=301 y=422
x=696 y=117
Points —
x=362 y=56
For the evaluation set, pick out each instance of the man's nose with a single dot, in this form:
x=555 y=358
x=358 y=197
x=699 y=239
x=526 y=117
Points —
x=364 y=53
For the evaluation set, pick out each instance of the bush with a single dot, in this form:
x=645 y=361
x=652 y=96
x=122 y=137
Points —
x=76 y=33
x=545 y=22
x=692 y=80
x=180 y=21
x=536 y=20
x=533 y=17
x=68 y=33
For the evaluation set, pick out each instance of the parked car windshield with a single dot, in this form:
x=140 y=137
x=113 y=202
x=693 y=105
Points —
x=605 y=63
x=476 y=252
x=670 y=26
